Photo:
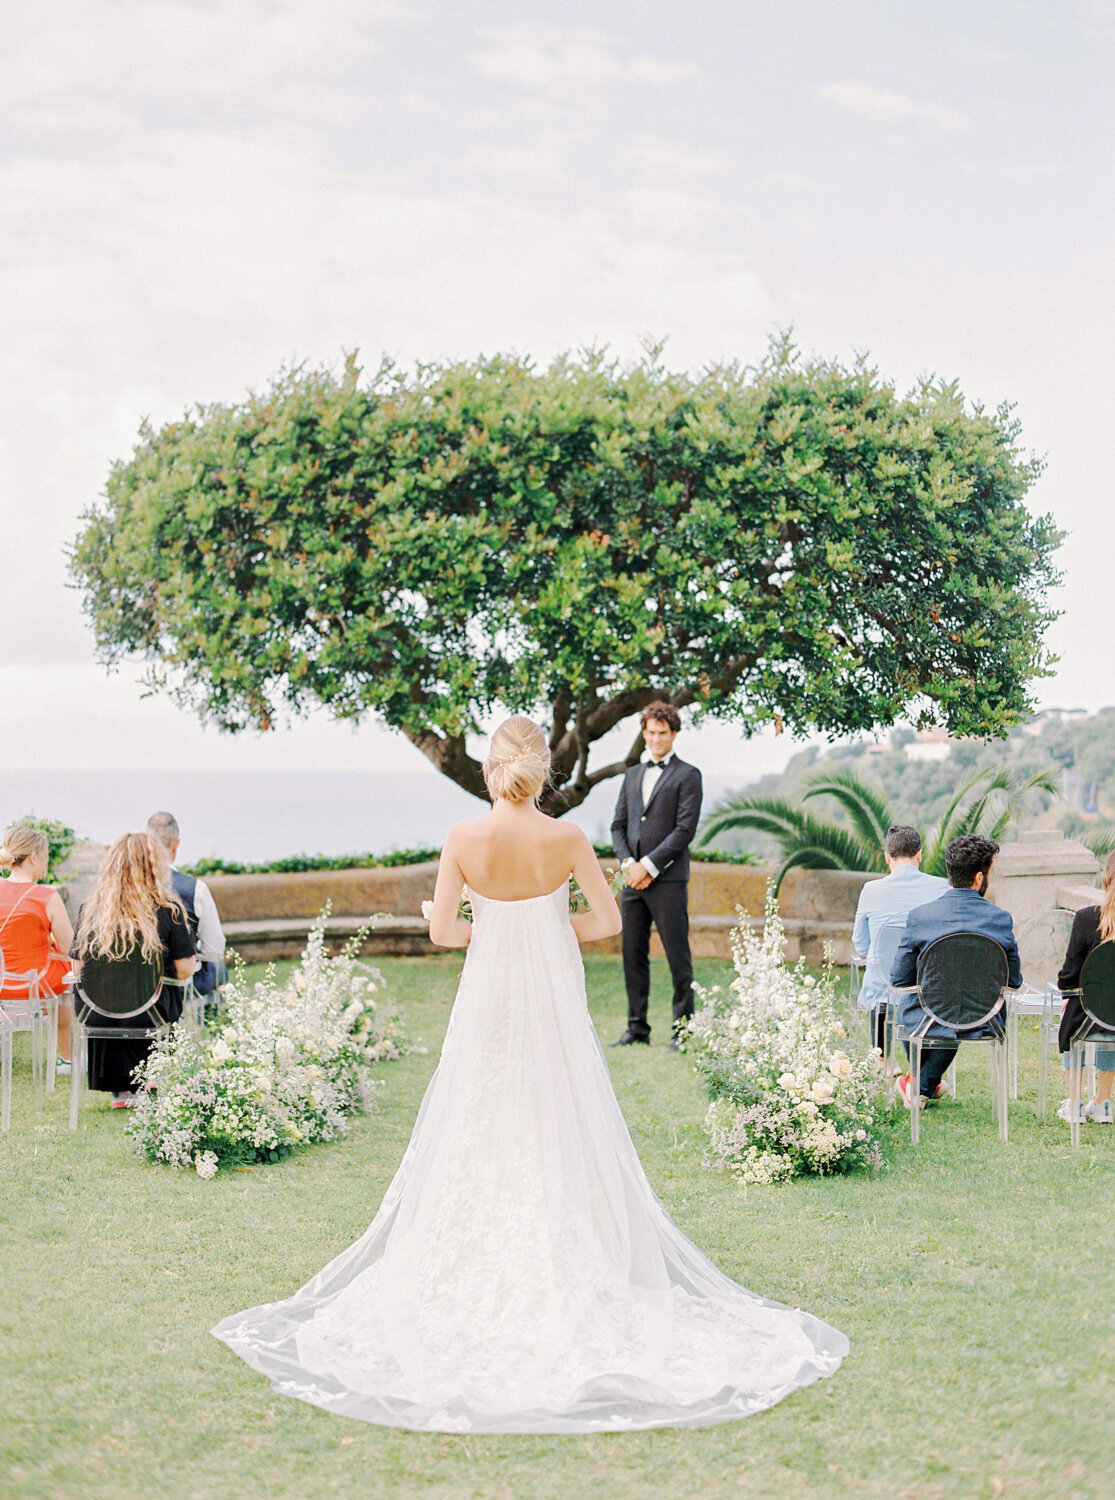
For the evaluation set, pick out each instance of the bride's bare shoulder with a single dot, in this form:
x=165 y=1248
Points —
x=465 y=833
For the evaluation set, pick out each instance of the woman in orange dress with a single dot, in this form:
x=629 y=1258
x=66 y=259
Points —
x=35 y=932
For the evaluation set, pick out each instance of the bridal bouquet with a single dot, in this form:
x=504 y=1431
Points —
x=790 y=1094
x=285 y=1066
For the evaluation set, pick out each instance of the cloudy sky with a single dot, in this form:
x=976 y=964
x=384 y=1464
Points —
x=197 y=191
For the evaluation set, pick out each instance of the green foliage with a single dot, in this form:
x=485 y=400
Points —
x=60 y=837
x=793 y=543
x=987 y=802
x=297 y=863
x=1101 y=841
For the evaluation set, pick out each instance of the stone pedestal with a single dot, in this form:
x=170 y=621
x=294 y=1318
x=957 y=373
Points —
x=1029 y=879
x=78 y=874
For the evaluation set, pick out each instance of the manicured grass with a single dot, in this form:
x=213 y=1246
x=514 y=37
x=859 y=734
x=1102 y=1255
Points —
x=974 y=1281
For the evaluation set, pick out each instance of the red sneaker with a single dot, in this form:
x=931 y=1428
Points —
x=903 y=1086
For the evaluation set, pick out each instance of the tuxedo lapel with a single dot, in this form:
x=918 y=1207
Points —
x=637 y=788
x=666 y=776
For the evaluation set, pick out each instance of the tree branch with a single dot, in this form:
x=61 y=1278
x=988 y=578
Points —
x=448 y=754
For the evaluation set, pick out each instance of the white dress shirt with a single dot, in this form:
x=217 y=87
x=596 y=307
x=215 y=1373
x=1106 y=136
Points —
x=210 y=938
x=652 y=775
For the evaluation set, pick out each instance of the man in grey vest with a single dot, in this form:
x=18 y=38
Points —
x=201 y=909
x=656 y=817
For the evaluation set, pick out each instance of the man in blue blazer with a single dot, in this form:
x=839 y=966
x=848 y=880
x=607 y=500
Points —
x=963 y=908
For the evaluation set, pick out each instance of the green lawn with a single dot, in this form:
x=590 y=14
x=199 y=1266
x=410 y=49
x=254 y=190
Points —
x=974 y=1281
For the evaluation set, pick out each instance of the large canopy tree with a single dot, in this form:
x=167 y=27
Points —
x=795 y=543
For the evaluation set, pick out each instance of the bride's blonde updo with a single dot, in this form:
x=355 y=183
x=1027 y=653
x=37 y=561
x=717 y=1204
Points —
x=518 y=761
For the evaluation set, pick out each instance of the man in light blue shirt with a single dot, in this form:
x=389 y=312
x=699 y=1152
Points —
x=890 y=901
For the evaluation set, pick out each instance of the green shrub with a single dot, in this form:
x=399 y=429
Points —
x=60 y=838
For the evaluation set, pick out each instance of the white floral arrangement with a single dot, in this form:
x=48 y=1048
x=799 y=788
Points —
x=285 y=1066
x=790 y=1094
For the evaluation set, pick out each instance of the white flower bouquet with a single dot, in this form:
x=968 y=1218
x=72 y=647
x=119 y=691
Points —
x=790 y=1094
x=286 y=1066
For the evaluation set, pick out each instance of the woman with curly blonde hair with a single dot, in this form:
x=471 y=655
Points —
x=133 y=909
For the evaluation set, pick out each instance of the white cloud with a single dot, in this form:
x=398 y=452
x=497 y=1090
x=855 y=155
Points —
x=544 y=58
x=101 y=65
x=870 y=103
x=658 y=157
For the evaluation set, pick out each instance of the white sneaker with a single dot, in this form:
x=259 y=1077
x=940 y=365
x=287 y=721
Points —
x=1100 y=1113
x=1065 y=1112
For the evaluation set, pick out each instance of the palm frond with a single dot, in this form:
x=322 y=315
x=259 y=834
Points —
x=771 y=815
x=866 y=805
x=1101 y=841
x=808 y=858
x=792 y=828
x=1002 y=796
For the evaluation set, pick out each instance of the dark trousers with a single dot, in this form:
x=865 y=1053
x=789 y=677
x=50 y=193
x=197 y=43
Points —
x=934 y=1064
x=665 y=904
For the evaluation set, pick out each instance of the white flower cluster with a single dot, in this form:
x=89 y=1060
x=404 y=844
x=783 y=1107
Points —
x=285 y=1066
x=788 y=1096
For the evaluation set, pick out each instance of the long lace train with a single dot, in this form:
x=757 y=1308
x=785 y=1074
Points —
x=520 y=1274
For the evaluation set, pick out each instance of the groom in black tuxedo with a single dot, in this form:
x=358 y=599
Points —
x=656 y=817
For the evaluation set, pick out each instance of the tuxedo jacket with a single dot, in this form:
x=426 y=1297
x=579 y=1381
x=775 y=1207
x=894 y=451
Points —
x=664 y=830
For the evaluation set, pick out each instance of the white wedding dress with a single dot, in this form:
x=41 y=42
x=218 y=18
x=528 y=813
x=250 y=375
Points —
x=521 y=1275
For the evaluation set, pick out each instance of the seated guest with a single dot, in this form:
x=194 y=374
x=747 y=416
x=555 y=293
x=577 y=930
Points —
x=35 y=932
x=963 y=908
x=201 y=909
x=887 y=902
x=1090 y=927
x=133 y=908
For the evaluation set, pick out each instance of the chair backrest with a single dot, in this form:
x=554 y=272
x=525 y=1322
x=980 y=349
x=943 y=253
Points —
x=885 y=943
x=962 y=979
x=119 y=987
x=1097 y=986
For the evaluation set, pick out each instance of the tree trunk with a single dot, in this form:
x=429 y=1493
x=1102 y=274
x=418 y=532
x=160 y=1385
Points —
x=570 y=779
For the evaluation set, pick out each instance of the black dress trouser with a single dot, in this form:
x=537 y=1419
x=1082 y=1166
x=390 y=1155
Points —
x=665 y=905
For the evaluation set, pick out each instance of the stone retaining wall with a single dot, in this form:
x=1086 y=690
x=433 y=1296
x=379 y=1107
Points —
x=267 y=916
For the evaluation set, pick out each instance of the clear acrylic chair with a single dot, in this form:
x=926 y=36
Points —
x=1097 y=1029
x=886 y=940
x=962 y=987
x=6 y=1029
x=24 y=1012
x=116 y=1000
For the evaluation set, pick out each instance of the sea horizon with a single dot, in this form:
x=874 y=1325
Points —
x=249 y=816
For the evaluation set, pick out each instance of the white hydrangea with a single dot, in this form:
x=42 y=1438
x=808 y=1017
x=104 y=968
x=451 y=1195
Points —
x=789 y=1097
x=288 y=1065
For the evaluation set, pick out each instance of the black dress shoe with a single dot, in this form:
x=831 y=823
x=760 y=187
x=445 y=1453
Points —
x=629 y=1037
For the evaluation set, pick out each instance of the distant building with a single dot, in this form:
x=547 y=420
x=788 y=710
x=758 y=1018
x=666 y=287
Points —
x=929 y=744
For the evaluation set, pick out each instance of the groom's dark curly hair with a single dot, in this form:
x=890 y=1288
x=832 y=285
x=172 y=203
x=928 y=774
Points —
x=665 y=713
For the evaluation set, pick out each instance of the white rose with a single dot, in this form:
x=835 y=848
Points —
x=821 y=1092
x=786 y=1081
x=221 y=1052
x=428 y=910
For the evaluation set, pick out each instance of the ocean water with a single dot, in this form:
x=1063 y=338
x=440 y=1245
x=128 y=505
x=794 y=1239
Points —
x=261 y=816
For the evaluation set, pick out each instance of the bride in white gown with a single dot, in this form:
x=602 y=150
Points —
x=521 y=1275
